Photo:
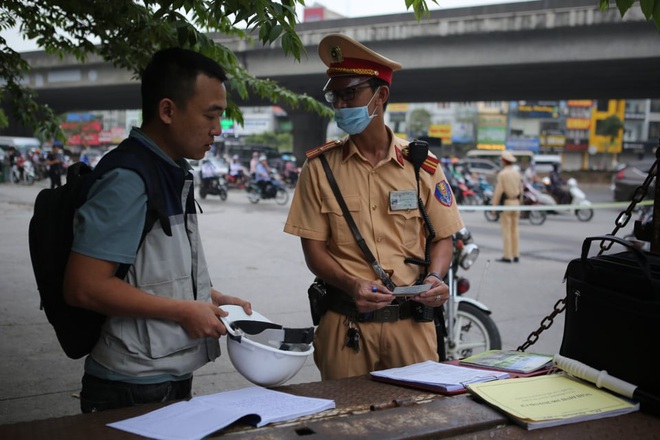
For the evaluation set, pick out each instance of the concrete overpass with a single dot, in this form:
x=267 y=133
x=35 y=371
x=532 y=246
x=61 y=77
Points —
x=550 y=49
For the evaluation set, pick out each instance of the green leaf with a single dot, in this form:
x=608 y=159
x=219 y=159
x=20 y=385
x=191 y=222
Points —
x=656 y=14
x=648 y=7
x=624 y=5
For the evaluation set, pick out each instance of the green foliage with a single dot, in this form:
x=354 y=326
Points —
x=650 y=8
x=126 y=33
x=281 y=141
x=419 y=121
x=610 y=126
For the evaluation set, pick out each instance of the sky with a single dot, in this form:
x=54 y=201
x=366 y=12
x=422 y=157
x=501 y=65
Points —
x=347 y=8
x=363 y=8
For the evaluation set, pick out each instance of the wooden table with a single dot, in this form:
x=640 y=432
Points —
x=365 y=409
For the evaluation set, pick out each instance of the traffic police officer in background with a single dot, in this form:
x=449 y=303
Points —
x=508 y=192
x=366 y=327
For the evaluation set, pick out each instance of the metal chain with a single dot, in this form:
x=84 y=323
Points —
x=638 y=195
x=546 y=323
x=621 y=221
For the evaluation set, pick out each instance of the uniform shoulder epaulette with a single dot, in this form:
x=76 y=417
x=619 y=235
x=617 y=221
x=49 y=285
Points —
x=314 y=152
x=429 y=165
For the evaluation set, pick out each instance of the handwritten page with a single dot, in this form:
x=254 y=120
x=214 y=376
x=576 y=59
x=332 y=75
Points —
x=551 y=400
x=204 y=415
x=435 y=374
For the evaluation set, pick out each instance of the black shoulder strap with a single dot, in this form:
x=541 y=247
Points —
x=387 y=281
x=130 y=154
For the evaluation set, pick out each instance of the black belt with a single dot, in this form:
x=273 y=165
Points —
x=338 y=302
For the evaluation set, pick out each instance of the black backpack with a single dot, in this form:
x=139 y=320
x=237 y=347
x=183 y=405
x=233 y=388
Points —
x=51 y=236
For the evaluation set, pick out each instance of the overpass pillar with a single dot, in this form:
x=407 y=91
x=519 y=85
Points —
x=309 y=131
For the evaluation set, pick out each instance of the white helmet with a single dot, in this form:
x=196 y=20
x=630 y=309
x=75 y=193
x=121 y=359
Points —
x=265 y=353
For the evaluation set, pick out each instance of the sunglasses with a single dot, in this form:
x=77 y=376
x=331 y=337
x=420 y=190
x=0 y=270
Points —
x=345 y=95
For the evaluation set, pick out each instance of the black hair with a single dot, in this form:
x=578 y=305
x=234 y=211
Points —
x=376 y=82
x=172 y=73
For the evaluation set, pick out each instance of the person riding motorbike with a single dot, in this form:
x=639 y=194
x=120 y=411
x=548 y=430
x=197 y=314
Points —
x=237 y=173
x=208 y=172
x=291 y=172
x=558 y=187
x=262 y=177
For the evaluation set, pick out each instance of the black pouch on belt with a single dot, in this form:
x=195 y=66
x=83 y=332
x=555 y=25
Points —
x=318 y=300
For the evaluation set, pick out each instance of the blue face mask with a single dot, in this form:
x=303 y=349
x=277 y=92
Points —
x=353 y=120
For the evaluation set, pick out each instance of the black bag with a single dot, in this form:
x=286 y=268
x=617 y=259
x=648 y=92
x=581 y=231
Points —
x=50 y=238
x=613 y=313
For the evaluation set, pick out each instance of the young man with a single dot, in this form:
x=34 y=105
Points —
x=366 y=327
x=163 y=317
x=509 y=192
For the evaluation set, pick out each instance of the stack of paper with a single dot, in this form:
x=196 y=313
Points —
x=435 y=376
x=204 y=415
x=551 y=400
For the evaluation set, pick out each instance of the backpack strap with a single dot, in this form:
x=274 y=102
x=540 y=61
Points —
x=134 y=156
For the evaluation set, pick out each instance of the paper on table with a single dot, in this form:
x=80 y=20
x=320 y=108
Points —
x=550 y=400
x=509 y=360
x=204 y=415
x=443 y=376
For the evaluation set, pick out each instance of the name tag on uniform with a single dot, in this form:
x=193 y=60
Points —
x=403 y=200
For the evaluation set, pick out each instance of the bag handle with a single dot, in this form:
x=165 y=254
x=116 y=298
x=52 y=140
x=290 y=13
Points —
x=641 y=258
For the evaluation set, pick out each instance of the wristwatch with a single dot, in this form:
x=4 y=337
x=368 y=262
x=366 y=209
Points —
x=434 y=274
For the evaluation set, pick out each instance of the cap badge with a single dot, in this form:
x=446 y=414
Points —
x=336 y=55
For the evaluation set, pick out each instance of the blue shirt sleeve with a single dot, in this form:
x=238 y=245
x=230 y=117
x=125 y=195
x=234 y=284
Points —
x=109 y=225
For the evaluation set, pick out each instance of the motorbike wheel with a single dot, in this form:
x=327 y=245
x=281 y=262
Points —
x=202 y=192
x=584 y=215
x=537 y=217
x=492 y=216
x=478 y=332
x=282 y=196
x=223 y=194
x=29 y=179
x=253 y=195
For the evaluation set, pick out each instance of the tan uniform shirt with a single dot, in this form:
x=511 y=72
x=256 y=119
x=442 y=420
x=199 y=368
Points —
x=508 y=186
x=391 y=233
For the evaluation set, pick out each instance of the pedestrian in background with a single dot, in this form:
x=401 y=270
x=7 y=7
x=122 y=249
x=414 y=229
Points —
x=55 y=163
x=509 y=192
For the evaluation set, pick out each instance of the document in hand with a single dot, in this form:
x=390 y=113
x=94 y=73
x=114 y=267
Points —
x=204 y=415
x=551 y=400
x=436 y=376
x=509 y=360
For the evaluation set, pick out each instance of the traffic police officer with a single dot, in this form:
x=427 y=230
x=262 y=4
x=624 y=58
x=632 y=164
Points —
x=508 y=191
x=366 y=327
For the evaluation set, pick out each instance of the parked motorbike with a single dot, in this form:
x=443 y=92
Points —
x=274 y=190
x=470 y=329
x=530 y=198
x=215 y=186
x=23 y=172
x=643 y=229
x=578 y=198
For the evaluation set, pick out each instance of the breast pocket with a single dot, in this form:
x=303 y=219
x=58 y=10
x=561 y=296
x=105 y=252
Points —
x=339 y=229
x=409 y=225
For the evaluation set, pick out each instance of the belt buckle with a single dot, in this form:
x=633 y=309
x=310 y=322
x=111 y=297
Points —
x=405 y=309
x=387 y=314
